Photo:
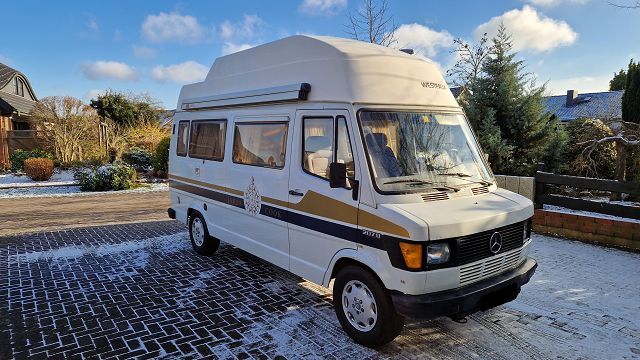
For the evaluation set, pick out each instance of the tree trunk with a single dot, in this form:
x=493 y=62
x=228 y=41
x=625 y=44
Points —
x=621 y=167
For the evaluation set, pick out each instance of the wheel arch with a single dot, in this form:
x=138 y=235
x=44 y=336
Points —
x=346 y=257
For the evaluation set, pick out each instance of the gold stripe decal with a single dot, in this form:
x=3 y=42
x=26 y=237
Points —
x=317 y=204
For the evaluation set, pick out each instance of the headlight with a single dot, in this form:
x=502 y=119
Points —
x=438 y=253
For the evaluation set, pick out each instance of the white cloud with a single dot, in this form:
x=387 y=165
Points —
x=424 y=41
x=172 y=27
x=248 y=28
x=530 y=30
x=93 y=94
x=322 y=7
x=108 y=70
x=144 y=52
x=552 y=3
x=231 y=47
x=582 y=84
x=183 y=73
x=92 y=24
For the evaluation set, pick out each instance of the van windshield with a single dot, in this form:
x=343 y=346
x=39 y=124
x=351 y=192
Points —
x=411 y=151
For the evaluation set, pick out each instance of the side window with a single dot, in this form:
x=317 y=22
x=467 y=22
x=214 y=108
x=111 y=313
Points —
x=326 y=140
x=183 y=137
x=318 y=145
x=344 y=153
x=207 y=139
x=260 y=144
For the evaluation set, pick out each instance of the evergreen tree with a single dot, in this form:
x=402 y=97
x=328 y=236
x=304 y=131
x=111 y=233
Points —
x=631 y=96
x=506 y=109
x=619 y=81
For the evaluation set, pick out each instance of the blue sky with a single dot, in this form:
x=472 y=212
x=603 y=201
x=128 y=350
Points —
x=81 y=48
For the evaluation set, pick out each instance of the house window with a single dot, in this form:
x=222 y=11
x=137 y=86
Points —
x=183 y=138
x=260 y=144
x=207 y=139
x=19 y=86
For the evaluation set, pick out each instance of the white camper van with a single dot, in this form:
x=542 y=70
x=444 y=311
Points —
x=347 y=161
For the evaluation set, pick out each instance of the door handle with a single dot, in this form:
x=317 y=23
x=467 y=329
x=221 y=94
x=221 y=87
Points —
x=296 y=193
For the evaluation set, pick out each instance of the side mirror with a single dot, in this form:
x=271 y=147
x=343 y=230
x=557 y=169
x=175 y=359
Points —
x=338 y=175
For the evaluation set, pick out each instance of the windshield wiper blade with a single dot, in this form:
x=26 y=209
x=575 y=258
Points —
x=463 y=175
x=408 y=181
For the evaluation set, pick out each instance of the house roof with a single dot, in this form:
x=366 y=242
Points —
x=10 y=102
x=600 y=105
x=341 y=70
x=456 y=91
x=6 y=74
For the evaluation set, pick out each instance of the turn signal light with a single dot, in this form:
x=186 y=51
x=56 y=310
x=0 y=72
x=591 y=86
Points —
x=412 y=254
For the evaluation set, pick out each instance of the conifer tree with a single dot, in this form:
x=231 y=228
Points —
x=506 y=109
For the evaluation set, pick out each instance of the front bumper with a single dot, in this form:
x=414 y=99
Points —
x=464 y=301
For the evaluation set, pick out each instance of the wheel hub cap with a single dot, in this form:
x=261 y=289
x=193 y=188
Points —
x=197 y=231
x=359 y=306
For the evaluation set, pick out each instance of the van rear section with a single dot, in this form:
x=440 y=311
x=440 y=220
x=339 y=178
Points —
x=350 y=165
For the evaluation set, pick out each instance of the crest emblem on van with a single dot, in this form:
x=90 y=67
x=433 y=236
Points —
x=252 y=198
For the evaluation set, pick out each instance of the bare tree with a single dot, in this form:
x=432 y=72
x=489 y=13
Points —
x=372 y=23
x=470 y=59
x=64 y=123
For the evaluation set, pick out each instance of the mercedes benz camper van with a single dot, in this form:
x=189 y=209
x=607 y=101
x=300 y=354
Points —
x=351 y=165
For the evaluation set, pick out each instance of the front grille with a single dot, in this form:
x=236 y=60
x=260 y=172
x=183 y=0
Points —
x=435 y=196
x=493 y=266
x=476 y=246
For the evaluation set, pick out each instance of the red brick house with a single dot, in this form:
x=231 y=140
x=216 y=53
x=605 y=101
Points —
x=17 y=101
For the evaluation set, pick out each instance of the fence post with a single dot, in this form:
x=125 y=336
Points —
x=538 y=188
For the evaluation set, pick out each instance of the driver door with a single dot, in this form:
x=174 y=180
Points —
x=322 y=218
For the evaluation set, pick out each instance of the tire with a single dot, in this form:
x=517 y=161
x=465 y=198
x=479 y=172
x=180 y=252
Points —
x=202 y=242
x=364 y=286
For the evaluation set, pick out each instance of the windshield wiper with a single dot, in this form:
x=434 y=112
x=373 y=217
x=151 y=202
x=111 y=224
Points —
x=416 y=181
x=463 y=175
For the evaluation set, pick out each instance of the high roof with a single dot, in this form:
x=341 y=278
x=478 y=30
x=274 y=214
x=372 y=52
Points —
x=337 y=69
x=599 y=105
x=11 y=102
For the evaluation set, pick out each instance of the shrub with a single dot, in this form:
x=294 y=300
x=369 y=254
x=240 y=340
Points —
x=161 y=158
x=38 y=169
x=18 y=157
x=116 y=176
x=140 y=159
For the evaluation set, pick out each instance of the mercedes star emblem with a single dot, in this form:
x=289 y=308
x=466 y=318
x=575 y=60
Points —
x=495 y=243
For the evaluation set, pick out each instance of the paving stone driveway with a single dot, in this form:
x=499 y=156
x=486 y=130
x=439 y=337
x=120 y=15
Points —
x=138 y=290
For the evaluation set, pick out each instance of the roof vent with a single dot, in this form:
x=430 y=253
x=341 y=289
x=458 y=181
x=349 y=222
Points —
x=408 y=51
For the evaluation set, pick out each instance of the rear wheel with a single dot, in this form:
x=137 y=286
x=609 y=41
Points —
x=364 y=307
x=202 y=242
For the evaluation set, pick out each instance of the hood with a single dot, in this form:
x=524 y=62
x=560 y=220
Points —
x=469 y=215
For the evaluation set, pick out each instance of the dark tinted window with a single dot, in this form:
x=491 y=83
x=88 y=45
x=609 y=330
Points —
x=183 y=138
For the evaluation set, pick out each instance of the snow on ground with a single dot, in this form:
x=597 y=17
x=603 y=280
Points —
x=63 y=191
x=588 y=213
x=59 y=177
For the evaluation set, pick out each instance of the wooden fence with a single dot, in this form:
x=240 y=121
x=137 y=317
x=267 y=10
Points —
x=543 y=195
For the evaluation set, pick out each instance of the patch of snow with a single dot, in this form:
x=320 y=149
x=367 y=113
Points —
x=559 y=209
x=63 y=191
x=164 y=244
x=59 y=176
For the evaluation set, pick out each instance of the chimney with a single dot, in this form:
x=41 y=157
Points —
x=571 y=96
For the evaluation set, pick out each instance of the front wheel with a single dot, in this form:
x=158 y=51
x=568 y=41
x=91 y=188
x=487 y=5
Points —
x=364 y=308
x=202 y=242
